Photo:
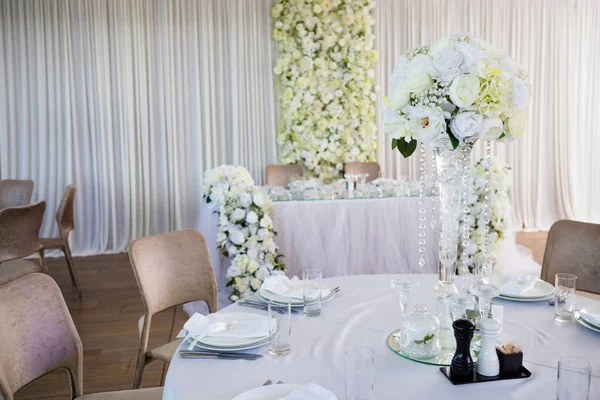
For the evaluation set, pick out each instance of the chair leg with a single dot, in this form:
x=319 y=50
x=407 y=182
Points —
x=43 y=261
x=72 y=270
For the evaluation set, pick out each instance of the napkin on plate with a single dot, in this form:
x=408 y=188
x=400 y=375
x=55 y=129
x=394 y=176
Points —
x=518 y=284
x=310 y=391
x=283 y=286
x=215 y=325
x=590 y=318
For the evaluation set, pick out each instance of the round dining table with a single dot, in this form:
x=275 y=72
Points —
x=364 y=313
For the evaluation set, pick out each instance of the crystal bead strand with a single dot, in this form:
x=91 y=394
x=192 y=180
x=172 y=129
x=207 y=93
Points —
x=422 y=217
x=434 y=192
x=487 y=210
x=466 y=211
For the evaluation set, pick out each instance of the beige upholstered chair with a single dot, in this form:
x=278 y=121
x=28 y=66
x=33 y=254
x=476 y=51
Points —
x=280 y=175
x=66 y=223
x=371 y=168
x=15 y=192
x=37 y=335
x=574 y=247
x=171 y=269
x=20 y=237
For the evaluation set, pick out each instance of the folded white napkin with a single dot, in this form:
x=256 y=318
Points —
x=518 y=284
x=590 y=318
x=283 y=286
x=216 y=325
x=310 y=391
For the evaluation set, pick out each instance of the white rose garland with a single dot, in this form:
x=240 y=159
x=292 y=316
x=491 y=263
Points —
x=245 y=233
x=326 y=75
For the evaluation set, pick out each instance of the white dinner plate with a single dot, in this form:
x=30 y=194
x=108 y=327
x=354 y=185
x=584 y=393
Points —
x=269 y=392
x=583 y=322
x=594 y=312
x=234 y=342
x=265 y=296
x=542 y=290
x=253 y=345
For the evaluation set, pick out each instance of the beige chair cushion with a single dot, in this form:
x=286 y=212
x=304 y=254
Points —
x=140 y=394
x=166 y=351
x=12 y=270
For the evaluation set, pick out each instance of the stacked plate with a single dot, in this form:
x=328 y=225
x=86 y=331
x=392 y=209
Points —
x=539 y=291
x=225 y=344
x=589 y=317
x=265 y=296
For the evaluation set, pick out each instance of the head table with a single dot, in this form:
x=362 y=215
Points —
x=364 y=313
x=341 y=236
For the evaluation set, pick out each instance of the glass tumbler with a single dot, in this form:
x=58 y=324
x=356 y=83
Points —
x=360 y=373
x=574 y=376
x=564 y=301
x=280 y=328
x=311 y=292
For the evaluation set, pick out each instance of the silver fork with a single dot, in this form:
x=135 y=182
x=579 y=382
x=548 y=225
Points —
x=268 y=382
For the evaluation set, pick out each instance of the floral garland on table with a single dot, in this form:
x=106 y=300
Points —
x=246 y=233
x=500 y=209
x=326 y=75
x=458 y=89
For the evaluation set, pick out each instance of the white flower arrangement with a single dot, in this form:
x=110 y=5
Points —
x=326 y=73
x=458 y=89
x=245 y=233
x=500 y=181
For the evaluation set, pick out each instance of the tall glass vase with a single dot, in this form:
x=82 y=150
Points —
x=452 y=165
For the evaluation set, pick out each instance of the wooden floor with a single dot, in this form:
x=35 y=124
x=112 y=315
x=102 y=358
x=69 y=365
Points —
x=107 y=322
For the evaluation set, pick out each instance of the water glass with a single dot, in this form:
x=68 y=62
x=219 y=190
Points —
x=311 y=292
x=574 y=376
x=459 y=304
x=564 y=301
x=360 y=373
x=280 y=328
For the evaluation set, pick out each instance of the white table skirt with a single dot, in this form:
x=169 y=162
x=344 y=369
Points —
x=341 y=237
x=364 y=313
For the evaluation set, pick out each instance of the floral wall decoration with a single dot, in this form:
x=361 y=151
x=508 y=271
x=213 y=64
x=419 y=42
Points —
x=326 y=79
x=500 y=181
x=245 y=232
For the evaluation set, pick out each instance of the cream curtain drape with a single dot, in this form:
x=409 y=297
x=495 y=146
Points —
x=556 y=164
x=131 y=100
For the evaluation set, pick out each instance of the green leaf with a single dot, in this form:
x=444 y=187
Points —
x=394 y=143
x=418 y=341
x=406 y=149
x=453 y=140
x=503 y=134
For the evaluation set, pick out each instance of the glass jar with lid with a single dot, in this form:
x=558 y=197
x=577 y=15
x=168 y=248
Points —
x=419 y=334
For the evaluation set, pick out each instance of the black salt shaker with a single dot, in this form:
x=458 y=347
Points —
x=462 y=367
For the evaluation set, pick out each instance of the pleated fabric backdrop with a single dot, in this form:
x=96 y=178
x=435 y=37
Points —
x=555 y=164
x=131 y=100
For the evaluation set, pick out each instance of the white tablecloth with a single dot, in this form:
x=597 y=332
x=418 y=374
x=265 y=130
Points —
x=364 y=313
x=341 y=237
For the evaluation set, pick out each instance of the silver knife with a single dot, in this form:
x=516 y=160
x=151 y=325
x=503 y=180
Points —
x=260 y=306
x=206 y=354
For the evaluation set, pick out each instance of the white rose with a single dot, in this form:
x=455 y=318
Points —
x=515 y=125
x=441 y=44
x=464 y=90
x=252 y=254
x=426 y=123
x=266 y=222
x=251 y=217
x=395 y=125
x=258 y=199
x=492 y=128
x=417 y=76
x=466 y=124
x=446 y=65
x=233 y=271
x=471 y=55
x=245 y=199
x=520 y=94
x=398 y=98
x=262 y=273
x=237 y=237
x=217 y=195
x=255 y=283
x=252 y=267
x=232 y=251
x=263 y=233
x=238 y=214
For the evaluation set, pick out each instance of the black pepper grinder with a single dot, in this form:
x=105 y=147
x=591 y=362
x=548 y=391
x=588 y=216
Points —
x=462 y=367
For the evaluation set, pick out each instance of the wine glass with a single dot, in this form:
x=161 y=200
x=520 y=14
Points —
x=403 y=286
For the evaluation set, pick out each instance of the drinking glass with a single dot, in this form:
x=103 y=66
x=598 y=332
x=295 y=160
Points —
x=280 y=328
x=360 y=373
x=564 y=300
x=311 y=292
x=574 y=375
x=404 y=286
x=460 y=303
